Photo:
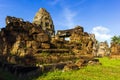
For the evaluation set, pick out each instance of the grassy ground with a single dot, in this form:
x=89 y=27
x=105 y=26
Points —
x=109 y=70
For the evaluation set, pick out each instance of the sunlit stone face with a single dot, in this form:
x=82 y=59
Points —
x=43 y=19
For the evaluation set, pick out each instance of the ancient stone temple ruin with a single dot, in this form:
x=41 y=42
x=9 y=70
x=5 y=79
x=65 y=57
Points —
x=103 y=49
x=35 y=44
x=21 y=38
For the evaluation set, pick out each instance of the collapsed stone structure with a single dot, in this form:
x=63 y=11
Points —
x=21 y=39
x=35 y=44
x=103 y=49
x=115 y=48
x=79 y=42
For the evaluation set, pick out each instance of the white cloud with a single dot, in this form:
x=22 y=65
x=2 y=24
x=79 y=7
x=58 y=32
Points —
x=69 y=17
x=101 y=33
x=66 y=19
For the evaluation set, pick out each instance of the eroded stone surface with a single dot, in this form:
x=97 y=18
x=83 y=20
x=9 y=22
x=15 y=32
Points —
x=115 y=48
x=79 y=41
x=19 y=36
x=103 y=49
x=43 y=19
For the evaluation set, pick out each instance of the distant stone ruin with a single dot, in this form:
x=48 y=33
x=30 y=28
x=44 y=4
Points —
x=103 y=49
x=115 y=48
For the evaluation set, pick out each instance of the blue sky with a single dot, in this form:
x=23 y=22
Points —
x=101 y=17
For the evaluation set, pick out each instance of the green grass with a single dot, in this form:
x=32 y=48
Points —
x=109 y=70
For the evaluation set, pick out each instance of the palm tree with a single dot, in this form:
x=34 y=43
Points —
x=116 y=39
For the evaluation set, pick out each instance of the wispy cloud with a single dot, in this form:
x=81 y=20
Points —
x=66 y=19
x=69 y=16
x=80 y=2
x=54 y=2
x=102 y=33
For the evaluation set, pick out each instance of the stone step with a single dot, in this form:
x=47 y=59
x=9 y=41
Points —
x=52 y=58
x=29 y=71
x=53 y=50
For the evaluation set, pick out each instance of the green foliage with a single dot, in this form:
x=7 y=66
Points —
x=116 y=39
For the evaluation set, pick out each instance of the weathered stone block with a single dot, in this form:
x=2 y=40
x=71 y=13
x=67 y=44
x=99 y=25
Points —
x=45 y=45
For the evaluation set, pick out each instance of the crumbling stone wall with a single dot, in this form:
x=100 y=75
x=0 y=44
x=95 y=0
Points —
x=22 y=38
x=82 y=38
x=80 y=42
x=95 y=44
x=10 y=19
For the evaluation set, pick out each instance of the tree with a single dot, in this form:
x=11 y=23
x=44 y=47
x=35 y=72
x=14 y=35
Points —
x=116 y=39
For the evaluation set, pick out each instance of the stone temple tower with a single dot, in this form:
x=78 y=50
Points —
x=43 y=19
